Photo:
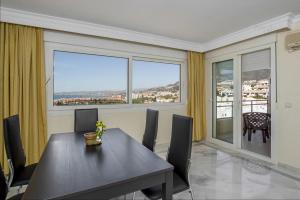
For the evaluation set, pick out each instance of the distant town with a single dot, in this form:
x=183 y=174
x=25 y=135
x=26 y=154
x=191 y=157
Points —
x=255 y=97
x=164 y=94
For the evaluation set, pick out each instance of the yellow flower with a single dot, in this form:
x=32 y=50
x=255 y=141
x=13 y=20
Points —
x=100 y=124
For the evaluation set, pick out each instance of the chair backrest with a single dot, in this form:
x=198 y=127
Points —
x=3 y=185
x=245 y=119
x=150 y=134
x=179 y=154
x=85 y=120
x=257 y=120
x=13 y=144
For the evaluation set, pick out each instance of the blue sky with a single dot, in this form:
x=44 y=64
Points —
x=84 y=72
x=153 y=74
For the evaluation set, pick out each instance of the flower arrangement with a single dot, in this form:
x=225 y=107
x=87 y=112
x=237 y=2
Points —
x=100 y=127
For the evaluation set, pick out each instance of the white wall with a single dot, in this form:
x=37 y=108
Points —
x=130 y=118
x=132 y=121
x=288 y=94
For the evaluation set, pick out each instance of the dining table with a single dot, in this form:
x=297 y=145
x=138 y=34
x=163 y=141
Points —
x=68 y=169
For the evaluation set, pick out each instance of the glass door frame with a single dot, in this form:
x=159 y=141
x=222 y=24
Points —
x=274 y=126
x=237 y=103
x=210 y=114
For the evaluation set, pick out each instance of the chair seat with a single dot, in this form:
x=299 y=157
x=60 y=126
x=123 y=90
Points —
x=155 y=192
x=16 y=197
x=22 y=176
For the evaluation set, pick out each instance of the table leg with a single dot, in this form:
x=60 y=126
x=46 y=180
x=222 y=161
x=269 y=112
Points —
x=167 y=187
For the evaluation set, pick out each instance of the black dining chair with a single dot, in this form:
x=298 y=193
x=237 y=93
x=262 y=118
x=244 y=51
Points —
x=150 y=134
x=179 y=155
x=4 y=188
x=85 y=120
x=19 y=174
x=149 y=138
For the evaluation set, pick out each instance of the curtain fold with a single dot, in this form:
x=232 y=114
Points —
x=22 y=87
x=196 y=94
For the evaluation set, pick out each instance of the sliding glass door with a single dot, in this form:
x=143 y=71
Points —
x=256 y=101
x=243 y=95
x=223 y=96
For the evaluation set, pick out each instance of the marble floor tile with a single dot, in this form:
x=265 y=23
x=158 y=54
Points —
x=215 y=174
x=219 y=175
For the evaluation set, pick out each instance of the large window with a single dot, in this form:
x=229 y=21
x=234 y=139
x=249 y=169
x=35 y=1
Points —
x=92 y=79
x=155 y=82
x=85 y=79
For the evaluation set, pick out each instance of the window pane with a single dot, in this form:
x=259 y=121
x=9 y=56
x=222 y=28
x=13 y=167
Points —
x=256 y=80
x=155 y=82
x=223 y=97
x=84 y=79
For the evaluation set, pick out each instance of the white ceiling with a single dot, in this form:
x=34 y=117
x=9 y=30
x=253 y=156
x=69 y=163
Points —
x=190 y=20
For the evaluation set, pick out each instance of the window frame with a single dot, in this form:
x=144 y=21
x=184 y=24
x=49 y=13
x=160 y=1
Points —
x=51 y=47
x=127 y=68
x=158 y=61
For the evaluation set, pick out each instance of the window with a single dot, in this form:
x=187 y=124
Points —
x=256 y=81
x=82 y=76
x=85 y=79
x=223 y=88
x=155 y=82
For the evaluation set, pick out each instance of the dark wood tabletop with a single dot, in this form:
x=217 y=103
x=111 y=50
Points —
x=68 y=169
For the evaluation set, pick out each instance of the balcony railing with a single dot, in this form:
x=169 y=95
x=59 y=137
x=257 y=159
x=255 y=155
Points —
x=225 y=108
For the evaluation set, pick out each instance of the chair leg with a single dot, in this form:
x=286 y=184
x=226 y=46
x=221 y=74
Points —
x=191 y=193
x=264 y=136
x=245 y=131
x=133 y=196
x=249 y=134
x=267 y=134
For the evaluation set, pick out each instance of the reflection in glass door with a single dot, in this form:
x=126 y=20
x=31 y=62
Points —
x=223 y=96
x=256 y=102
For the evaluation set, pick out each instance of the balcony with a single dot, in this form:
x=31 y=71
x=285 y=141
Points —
x=224 y=122
x=225 y=108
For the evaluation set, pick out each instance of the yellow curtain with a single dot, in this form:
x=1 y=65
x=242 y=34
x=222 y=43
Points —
x=196 y=94
x=22 y=87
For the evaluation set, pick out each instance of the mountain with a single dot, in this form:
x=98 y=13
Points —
x=170 y=87
x=109 y=93
x=89 y=94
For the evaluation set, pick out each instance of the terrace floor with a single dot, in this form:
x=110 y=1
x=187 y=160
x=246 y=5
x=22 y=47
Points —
x=256 y=144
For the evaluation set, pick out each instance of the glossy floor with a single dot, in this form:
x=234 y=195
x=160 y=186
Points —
x=215 y=174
